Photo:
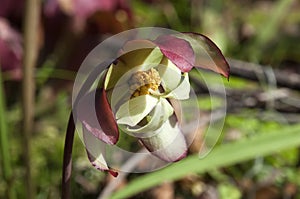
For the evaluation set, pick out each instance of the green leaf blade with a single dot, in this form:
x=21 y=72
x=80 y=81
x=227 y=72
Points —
x=221 y=156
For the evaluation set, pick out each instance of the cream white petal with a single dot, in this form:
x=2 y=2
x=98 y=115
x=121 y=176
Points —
x=170 y=75
x=169 y=144
x=152 y=60
x=119 y=94
x=182 y=91
x=157 y=117
x=139 y=60
x=134 y=110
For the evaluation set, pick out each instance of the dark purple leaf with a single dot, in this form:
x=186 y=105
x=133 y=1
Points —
x=51 y=8
x=86 y=8
x=12 y=8
x=207 y=54
x=177 y=50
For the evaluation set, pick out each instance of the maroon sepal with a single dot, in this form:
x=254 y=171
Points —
x=113 y=173
x=94 y=112
x=96 y=151
x=177 y=50
x=101 y=167
x=211 y=58
x=105 y=115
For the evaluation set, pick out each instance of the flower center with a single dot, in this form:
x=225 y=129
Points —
x=142 y=81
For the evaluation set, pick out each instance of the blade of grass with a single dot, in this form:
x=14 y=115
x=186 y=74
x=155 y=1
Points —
x=221 y=156
x=4 y=145
x=270 y=28
x=46 y=73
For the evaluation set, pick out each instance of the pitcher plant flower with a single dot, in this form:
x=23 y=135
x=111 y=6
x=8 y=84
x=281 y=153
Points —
x=136 y=92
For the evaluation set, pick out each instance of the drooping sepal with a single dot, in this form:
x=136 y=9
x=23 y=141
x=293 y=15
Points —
x=95 y=151
x=94 y=112
x=105 y=116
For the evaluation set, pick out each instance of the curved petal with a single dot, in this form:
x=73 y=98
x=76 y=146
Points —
x=134 y=110
x=136 y=44
x=118 y=95
x=153 y=59
x=101 y=124
x=170 y=75
x=140 y=59
x=158 y=116
x=207 y=54
x=95 y=151
x=177 y=50
x=121 y=91
x=182 y=91
x=169 y=144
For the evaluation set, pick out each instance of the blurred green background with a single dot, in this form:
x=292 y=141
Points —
x=261 y=133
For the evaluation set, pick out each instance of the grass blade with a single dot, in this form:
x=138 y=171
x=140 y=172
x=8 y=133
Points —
x=224 y=155
x=4 y=145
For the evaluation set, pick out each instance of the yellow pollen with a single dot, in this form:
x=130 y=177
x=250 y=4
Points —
x=142 y=81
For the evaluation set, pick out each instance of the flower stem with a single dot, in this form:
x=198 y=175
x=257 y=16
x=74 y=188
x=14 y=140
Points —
x=4 y=146
x=67 y=159
x=67 y=162
x=31 y=23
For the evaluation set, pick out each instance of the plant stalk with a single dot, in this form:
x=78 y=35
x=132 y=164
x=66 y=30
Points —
x=31 y=26
x=4 y=146
x=67 y=161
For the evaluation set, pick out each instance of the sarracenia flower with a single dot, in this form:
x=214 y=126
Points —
x=136 y=94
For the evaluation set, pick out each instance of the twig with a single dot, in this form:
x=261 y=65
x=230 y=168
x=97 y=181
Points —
x=283 y=99
x=31 y=22
x=253 y=71
x=128 y=166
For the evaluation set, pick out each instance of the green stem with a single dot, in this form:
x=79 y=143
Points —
x=4 y=146
x=67 y=159
x=31 y=27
